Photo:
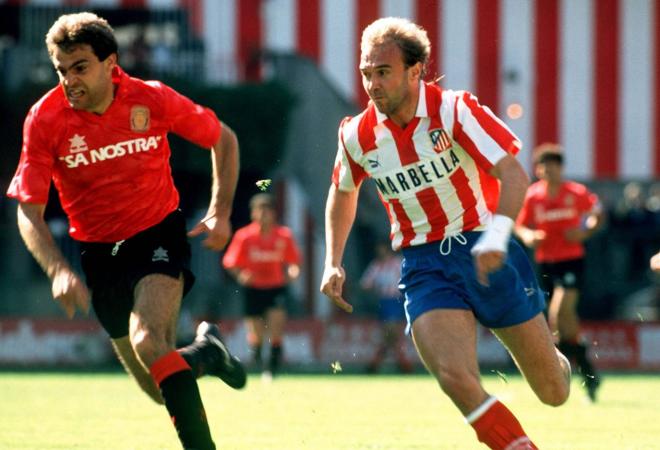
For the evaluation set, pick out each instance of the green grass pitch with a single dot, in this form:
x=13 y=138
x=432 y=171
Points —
x=106 y=411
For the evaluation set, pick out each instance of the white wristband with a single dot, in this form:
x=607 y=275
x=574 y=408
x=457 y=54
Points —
x=496 y=237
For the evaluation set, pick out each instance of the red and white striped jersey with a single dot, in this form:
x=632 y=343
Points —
x=432 y=176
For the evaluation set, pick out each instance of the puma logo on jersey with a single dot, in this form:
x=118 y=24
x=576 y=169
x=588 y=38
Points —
x=80 y=156
x=373 y=163
x=160 y=254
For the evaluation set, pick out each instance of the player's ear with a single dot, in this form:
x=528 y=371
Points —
x=416 y=71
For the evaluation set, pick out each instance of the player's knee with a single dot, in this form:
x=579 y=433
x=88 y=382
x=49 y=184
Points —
x=455 y=382
x=554 y=394
x=148 y=344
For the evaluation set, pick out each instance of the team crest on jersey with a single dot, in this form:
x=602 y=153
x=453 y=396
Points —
x=78 y=144
x=569 y=200
x=140 y=117
x=441 y=140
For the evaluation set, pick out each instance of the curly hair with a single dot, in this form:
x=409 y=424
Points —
x=72 y=30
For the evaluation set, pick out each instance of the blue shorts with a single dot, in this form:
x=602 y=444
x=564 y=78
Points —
x=431 y=280
x=391 y=309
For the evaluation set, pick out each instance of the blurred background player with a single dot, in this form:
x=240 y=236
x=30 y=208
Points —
x=101 y=137
x=557 y=216
x=264 y=258
x=436 y=157
x=381 y=277
x=655 y=263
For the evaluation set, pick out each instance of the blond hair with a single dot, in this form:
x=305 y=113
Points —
x=408 y=36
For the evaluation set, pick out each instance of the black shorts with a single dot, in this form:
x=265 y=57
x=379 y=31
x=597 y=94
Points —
x=113 y=270
x=568 y=274
x=259 y=301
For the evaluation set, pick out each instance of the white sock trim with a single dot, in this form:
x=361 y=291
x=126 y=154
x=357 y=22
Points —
x=481 y=410
x=518 y=444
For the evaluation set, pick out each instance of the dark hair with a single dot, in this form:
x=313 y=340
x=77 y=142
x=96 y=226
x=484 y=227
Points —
x=266 y=200
x=548 y=152
x=85 y=28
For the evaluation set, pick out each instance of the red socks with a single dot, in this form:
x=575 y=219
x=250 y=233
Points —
x=498 y=428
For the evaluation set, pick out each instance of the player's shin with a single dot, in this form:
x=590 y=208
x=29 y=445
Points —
x=183 y=401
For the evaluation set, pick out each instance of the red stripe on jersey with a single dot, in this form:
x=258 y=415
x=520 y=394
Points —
x=366 y=135
x=308 y=28
x=656 y=104
x=487 y=55
x=403 y=140
x=428 y=17
x=546 y=64
x=433 y=102
x=248 y=36
x=437 y=218
x=468 y=201
x=606 y=72
x=367 y=12
x=388 y=210
x=357 y=172
x=404 y=222
x=492 y=127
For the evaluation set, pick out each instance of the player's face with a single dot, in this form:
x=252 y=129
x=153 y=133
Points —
x=87 y=82
x=550 y=171
x=387 y=80
x=263 y=214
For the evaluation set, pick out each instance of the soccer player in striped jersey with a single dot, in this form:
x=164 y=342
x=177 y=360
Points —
x=558 y=215
x=101 y=137
x=446 y=173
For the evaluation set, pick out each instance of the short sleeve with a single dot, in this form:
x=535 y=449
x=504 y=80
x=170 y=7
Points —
x=480 y=132
x=189 y=120
x=347 y=175
x=32 y=179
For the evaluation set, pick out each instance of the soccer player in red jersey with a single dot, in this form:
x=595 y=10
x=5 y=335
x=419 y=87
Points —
x=264 y=258
x=436 y=156
x=557 y=216
x=101 y=137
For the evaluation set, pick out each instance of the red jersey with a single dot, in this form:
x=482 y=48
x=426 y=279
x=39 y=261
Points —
x=432 y=177
x=266 y=256
x=556 y=215
x=112 y=170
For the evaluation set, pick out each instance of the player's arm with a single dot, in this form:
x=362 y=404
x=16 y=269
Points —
x=490 y=250
x=340 y=210
x=225 y=166
x=529 y=236
x=592 y=221
x=67 y=287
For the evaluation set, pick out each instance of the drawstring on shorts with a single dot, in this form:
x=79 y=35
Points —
x=445 y=244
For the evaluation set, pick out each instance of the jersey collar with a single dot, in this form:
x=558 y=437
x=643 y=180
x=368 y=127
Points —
x=422 y=110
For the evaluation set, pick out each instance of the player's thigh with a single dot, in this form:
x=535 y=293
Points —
x=255 y=326
x=531 y=346
x=136 y=368
x=156 y=309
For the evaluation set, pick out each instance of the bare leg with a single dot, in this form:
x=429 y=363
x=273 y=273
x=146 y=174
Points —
x=446 y=340
x=546 y=370
x=135 y=368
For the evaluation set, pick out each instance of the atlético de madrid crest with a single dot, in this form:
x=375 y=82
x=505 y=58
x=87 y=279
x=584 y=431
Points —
x=140 y=118
x=441 y=140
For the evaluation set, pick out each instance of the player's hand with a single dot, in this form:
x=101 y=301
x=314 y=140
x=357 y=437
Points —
x=217 y=230
x=655 y=263
x=332 y=285
x=486 y=262
x=244 y=277
x=70 y=291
